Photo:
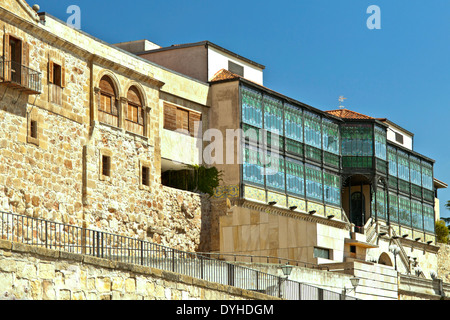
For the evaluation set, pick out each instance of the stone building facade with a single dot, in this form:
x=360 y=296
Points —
x=82 y=129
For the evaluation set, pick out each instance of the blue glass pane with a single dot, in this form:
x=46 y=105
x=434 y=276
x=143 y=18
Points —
x=330 y=136
x=392 y=158
x=293 y=123
x=393 y=208
x=275 y=172
x=404 y=210
x=332 y=188
x=313 y=134
x=416 y=214
x=381 y=204
x=357 y=140
x=253 y=170
x=314 y=186
x=273 y=115
x=380 y=143
x=416 y=174
x=252 y=107
x=428 y=213
x=403 y=165
x=295 y=176
x=427 y=175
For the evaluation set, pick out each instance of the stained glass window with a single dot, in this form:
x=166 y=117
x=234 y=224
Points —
x=293 y=123
x=332 y=188
x=252 y=107
x=427 y=175
x=275 y=172
x=403 y=165
x=393 y=208
x=253 y=169
x=380 y=143
x=392 y=158
x=404 y=206
x=381 y=204
x=416 y=174
x=273 y=115
x=314 y=186
x=416 y=214
x=313 y=131
x=295 y=177
x=357 y=140
x=330 y=136
x=428 y=213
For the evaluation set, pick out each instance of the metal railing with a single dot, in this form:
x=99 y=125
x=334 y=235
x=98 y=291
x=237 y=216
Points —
x=20 y=75
x=58 y=236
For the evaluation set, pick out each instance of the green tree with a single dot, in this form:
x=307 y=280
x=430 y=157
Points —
x=441 y=231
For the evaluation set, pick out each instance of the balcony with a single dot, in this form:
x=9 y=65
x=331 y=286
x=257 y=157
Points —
x=20 y=77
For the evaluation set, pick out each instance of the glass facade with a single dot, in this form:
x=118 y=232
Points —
x=315 y=150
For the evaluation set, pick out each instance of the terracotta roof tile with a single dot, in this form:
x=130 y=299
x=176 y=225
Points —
x=348 y=114
x=224 y=74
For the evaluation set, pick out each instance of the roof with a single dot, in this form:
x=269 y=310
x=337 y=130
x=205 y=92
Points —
x=439 y=184
x=205 y=43
x=224 y=74
x=349 y=114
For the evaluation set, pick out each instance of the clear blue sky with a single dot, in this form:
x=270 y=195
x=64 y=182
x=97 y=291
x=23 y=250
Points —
x=314 y=51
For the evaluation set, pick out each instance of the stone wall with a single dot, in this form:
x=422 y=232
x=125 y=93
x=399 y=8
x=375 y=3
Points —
x=443 y=271
x=31 y=273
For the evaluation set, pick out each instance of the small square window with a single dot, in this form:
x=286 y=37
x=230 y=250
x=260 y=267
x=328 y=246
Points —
x=106 y=166
x=235 y=68
x=322 y=253
x=399 y=138
x=145 y=176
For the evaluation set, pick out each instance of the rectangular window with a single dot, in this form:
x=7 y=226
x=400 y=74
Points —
x=106 y=166
x=252 y=107
x=295 y=176
x=404 y=206
x=314 y=184
x=145 y=176
x=332 y=188
x=330 y=136
x=293 y=123
x=33 y=129
x=322 y=253
x=273 y=115
x=235 y=68
x=313 y=129
x=393 y=208
x=180 y=119
x=399 y=138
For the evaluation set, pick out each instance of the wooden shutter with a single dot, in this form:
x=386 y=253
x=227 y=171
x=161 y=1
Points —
x=140 y=112
x=25 y=62
x=182 y=119
x=7 y=57
x=63 y=76
x=114 y=108
x=170 y=117
x=50 y=72
x=193 y=118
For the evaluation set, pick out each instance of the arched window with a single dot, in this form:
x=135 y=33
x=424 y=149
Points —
x=135 y=112
x=107 y=107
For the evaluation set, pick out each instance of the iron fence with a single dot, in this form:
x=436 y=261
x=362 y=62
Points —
x=63 y=237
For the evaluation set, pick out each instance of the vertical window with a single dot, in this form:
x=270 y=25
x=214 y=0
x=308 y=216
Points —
x=253 y=170
x=392 y=158
x=135 y=112
x=106 y=166
x=330 y=136
x=273 y=115
x=417 y=216
x=295 y=177
x=332 y=188
x=314 y=184
x=252 y=107
x=108 y=111
x=275 y=172
x=56 y=74
x=145 y=176
x=380 y=143
x=33 y=129
x=404 y=206
x=403 y=165
x=393 y=208
x=293 y=123
x=428 y=212
x=313 y=129
x=381 y=204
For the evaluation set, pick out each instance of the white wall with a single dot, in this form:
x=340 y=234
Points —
x=407 y=138
x=218 y=60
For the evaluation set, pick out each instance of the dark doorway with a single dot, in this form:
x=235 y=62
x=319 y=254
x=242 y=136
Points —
x=15 y=51
x=358 y=209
